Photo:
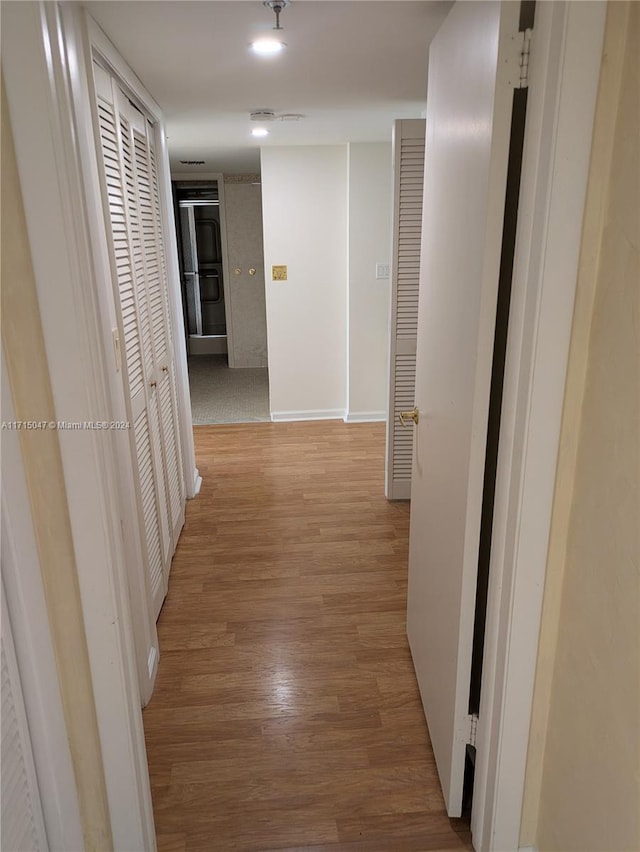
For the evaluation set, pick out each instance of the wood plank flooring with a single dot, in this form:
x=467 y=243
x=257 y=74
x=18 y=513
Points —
x=286 y=713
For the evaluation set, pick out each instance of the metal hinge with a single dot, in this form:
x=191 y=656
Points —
x=525 y=51
x=473 y=728
x=517 y=52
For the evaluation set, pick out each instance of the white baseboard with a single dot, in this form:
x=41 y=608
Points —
x=326 y=414
x=365 y=416
x=197 y=482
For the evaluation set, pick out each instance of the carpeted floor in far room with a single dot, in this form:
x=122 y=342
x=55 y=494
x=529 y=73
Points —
x=222 y=395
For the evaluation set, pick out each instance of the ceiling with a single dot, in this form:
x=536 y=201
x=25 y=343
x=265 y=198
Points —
x=350 y=68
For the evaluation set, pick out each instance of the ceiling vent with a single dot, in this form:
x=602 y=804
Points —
x=262 y=115
x=269 y=115
x=192 y=162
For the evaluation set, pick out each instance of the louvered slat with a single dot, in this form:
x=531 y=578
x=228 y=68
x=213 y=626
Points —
x=155 y=190
x=135 y=232
x=22 y=823
x=131 y=170
x=155 y=286
x=116 y=133
x=405 y=377
x=132 y=355
x=168 y=408
x=409 y=178
x=148 y=498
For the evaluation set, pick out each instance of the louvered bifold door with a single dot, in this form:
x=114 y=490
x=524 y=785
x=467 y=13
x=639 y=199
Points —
x=22 y=820
x=134 y=330
x=164 y=407
x=167 y=397
x=408 y=159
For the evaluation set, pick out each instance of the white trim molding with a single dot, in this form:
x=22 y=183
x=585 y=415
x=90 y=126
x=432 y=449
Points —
x=564 y=71
x=43 y=65
x=326 y=414
x=27 y=607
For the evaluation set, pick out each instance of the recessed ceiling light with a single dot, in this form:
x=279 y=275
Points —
x=267 y=46
x=259 y=131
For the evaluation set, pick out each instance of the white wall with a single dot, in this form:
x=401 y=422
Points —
x=304 y=203
x=369 y=217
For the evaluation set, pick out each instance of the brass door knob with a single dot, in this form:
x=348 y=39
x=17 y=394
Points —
x=153 y=384
x=409 y=415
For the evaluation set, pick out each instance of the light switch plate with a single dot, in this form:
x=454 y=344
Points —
x=383 y=270
x=278 y=273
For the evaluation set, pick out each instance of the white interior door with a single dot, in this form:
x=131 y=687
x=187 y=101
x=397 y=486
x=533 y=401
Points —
x=472 y=61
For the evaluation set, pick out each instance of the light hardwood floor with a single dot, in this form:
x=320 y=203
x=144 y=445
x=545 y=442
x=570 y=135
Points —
x=286 y=713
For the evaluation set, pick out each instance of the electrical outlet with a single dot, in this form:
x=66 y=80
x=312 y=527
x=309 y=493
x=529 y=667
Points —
x=383 y=270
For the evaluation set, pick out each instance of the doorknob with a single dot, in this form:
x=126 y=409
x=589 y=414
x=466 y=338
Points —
x=153 y=384
x=409 y=415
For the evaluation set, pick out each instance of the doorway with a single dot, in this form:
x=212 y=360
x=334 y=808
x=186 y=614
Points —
x=219 y=237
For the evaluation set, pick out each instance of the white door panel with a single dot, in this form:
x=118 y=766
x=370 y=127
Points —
x=469 y=106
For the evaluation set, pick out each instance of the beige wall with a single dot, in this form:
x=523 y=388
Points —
x=304 y=208
x=243 y=210
x=370 y=203
x=29 y=381
x=583 y=774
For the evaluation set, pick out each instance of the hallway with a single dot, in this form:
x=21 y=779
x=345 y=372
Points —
x=220 y=394
x=286 y=713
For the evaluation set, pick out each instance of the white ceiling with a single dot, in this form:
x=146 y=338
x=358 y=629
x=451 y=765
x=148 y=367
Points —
x=350 y=67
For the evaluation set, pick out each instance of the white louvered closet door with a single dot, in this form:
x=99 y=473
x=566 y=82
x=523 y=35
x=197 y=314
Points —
x=143 y=327
x=163 y=343
x=408 y=159
x=22 y=820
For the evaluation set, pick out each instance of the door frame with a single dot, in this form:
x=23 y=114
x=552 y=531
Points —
x=564 y=69
x=45 y=70
x=226 y=272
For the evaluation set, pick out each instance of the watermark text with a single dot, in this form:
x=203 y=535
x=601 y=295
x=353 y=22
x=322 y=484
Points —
x=70 y=425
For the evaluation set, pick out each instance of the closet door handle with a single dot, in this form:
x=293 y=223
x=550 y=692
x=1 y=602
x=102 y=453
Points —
x=153 y=384
x=165 y=369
